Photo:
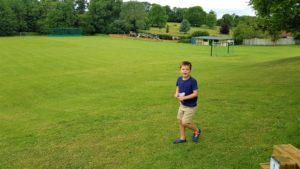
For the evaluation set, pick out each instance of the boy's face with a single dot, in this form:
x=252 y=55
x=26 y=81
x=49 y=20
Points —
x=185 y=71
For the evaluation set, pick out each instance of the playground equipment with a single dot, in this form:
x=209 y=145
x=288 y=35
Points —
x=218 y=45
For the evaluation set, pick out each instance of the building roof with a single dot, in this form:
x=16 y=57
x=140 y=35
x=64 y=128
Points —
x=214 y=37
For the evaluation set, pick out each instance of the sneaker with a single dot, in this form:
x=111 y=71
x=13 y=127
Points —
x=196 y=135
x=178 y=141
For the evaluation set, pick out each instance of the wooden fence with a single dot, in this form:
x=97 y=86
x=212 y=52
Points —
x=281 y=41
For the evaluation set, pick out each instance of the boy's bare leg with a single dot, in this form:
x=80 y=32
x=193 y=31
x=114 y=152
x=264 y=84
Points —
x=182 y=130
x=196 y=131
x=190 y=126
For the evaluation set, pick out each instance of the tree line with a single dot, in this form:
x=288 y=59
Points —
x=94 y=16
x=116 y=16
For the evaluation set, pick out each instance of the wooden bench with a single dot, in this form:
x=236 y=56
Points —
x=285 y=156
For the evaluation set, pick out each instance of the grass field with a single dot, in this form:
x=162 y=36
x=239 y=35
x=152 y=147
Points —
x=103 y=102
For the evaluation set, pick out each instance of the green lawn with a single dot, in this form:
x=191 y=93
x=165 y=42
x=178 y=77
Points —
x=103 y=102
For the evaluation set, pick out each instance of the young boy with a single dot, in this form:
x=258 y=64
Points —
x=187 y=93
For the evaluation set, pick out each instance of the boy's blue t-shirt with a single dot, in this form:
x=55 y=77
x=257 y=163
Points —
x=186 y=87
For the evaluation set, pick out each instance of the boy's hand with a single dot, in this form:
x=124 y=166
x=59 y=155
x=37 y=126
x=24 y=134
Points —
x=175 y=95
x=181 y=98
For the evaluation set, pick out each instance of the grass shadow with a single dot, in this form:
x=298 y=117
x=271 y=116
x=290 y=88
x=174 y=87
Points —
x=281 y=62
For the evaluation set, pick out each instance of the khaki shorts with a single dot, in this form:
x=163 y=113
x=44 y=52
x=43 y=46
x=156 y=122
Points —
x=185 y=114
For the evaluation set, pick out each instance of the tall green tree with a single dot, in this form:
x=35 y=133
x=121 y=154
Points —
x=104 y=13
x=33 y=14
x=236 y=19
x=277 y=16
x=45 y=7
x=81 y=6
x=85 y=23
x=178 y=14
x=63 y=15
x=147 y=6
x=27 y=12
x=133 y=13
x=196 y=16
x=247 y=28
x=20 y=11
x=158 y=16
x=8 y=23
x=228 y=20
x=169 y=13
x=211 y=19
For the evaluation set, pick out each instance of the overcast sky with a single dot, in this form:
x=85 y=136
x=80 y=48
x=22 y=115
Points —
x=239 y=7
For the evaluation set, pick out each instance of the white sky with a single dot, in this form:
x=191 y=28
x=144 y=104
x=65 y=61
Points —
x=239 y=7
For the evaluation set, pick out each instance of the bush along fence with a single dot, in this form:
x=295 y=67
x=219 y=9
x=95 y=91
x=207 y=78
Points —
x=180 y=39
x=158 y=36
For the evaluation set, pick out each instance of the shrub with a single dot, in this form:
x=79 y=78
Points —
x=167 y=29
x=297 y=36
x=224 y=29
x=185 y=26
x=119 y=27
x=200 y=33
x=185 y=39
x=165 y=37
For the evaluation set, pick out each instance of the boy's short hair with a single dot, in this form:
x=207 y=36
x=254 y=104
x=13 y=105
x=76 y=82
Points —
x=186 y=63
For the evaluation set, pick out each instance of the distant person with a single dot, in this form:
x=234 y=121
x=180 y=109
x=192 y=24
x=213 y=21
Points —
x=187 y=93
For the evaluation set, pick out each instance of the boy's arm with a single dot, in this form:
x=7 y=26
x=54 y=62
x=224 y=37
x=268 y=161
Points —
x=193 y=95
x=176 y=92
